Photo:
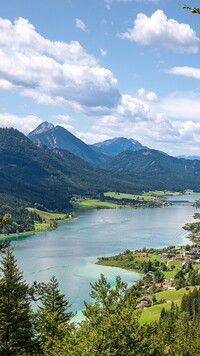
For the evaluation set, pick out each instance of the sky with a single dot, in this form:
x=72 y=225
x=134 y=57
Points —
x=103 y=69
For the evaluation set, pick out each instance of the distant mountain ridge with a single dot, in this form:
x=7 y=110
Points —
x=156 y=169
x=117 y=145
x=49 y=177
x=58 y=137
x=189 y=157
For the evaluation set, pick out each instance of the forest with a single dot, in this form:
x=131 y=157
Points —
x=111 y=324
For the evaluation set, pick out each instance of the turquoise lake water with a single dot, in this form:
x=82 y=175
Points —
x=70 y=251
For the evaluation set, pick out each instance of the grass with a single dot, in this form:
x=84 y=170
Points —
x=121 y=196
x=153 y=313
x=41 y=226
x=94 y=204
x=190 y=191
x=170 y=274
x=47 y=216
x=161 y=193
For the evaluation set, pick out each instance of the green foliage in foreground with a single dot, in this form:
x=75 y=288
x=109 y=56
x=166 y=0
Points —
x=194 y=10
x=111 y=327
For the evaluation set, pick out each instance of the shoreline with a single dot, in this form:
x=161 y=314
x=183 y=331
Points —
x=33 y=232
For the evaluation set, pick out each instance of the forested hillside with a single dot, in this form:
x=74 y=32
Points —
x=157 y=170
x=58 y=137
x=37 y=175
x=111 y=326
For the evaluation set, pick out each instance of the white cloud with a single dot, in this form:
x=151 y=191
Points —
x=150 y=96
x=91 y=138
x=159 y=30
x=24 y=124
x=67 y=127
x=53 y=72
x=186 y=71
x=149 y=123
x=103 y=52
x=66 y=118
x=181 y=105
x=87 y=137
x=81 y=25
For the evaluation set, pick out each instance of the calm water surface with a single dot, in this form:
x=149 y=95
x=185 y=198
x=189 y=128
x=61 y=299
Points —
x=70 y=251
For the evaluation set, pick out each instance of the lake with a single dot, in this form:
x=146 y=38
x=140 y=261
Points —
x=70 y=251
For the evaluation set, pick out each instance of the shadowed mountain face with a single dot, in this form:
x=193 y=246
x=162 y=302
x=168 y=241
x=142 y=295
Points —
x=50 y=177
x=117 y=145
x=58 y=137
x=156 y=169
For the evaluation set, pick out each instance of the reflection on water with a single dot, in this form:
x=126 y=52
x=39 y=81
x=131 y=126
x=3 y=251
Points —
x=70 y=251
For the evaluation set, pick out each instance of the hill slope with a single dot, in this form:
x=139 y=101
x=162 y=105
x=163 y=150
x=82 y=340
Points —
x=157 y=170
x=49 y=177
x=57 y=137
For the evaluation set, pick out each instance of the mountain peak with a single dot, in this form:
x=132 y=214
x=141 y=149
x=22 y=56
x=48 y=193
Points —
x=43 y=127
x=58 y=137
x=117 y=145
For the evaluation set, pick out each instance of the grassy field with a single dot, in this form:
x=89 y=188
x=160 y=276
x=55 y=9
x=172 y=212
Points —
x=41 y=226
x=94 y=204
x=161 y=193
x=153 y=313
x=46 y=219
x=47 y=216
x=121 y=196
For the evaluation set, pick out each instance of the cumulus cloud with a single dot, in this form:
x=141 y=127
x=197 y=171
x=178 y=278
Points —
x=53 y=72
x=87 y=137
x=81 y=25
x=150 y=96
x=130 y=112
x=24 y=124
x=149 y=123
x=91 y=138
x=186 y=71
x=66 y=118
x=159 y=30
x=181 y=105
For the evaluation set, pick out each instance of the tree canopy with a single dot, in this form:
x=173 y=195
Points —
x=194 y=10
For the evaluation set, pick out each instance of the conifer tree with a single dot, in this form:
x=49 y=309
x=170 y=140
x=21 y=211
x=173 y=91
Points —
x=16 y=331
x=53 y=316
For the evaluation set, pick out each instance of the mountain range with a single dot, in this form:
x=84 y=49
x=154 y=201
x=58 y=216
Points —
x=117 y=145
x=49 y=177
x=58 y=137
x=157 y=169
x=44 y=173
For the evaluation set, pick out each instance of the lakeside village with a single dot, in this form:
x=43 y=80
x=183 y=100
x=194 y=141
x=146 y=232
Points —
x=172 y=268
x=188 y=259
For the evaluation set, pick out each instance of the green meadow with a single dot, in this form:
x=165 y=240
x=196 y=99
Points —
x=94 y=204
x=153 y=313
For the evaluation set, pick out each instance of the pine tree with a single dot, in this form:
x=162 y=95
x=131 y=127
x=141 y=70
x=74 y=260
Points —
x=16 y=331
x=53 y=316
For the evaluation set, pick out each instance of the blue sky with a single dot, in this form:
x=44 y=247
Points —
x=103 y=69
